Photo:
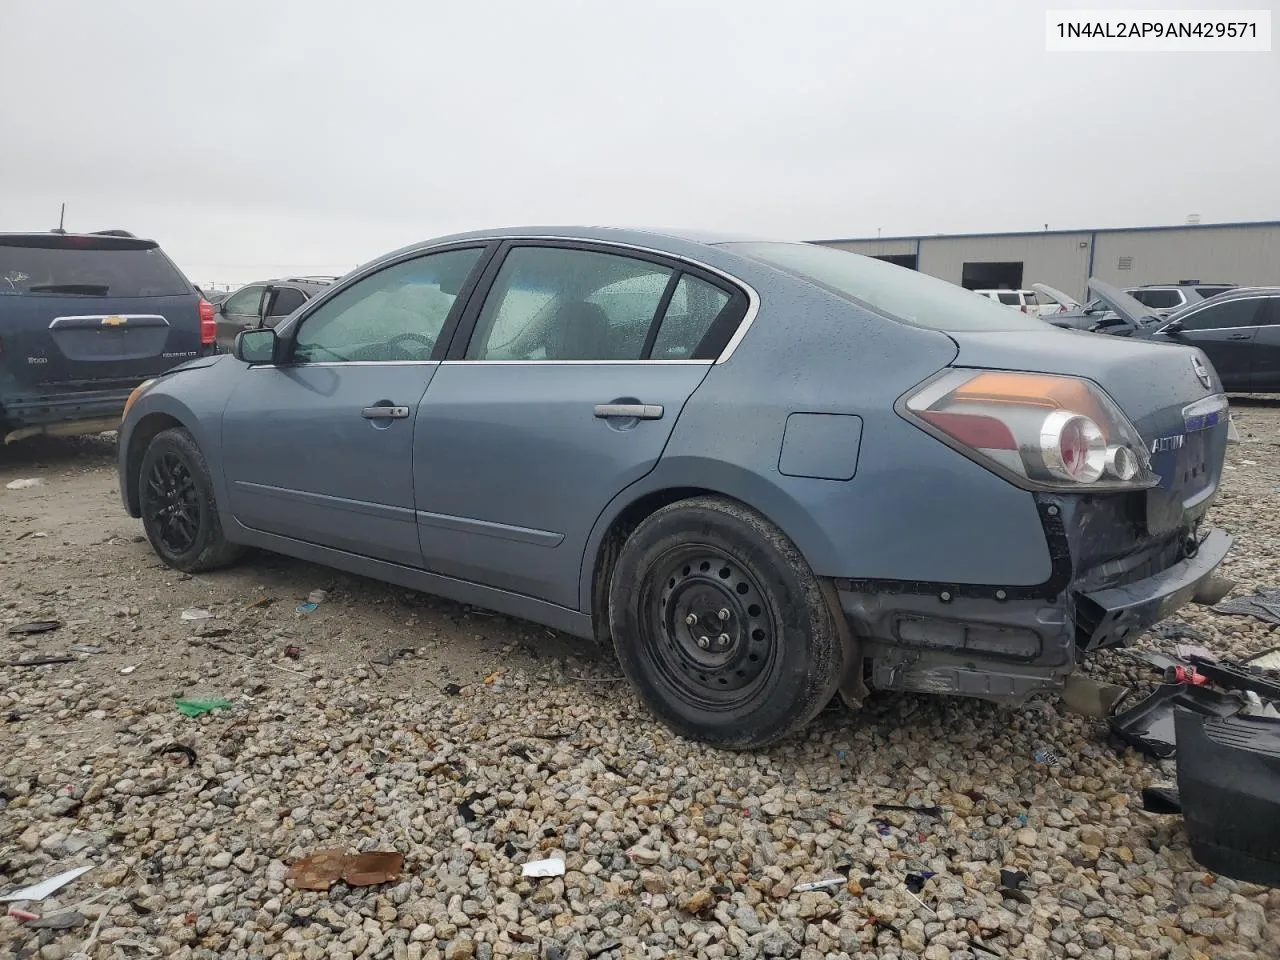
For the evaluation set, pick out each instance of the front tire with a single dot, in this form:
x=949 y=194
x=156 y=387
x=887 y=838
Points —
x=721 y=626
x=179 y=513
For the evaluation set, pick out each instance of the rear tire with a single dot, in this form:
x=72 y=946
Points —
x=721 y=626
x=179 y=513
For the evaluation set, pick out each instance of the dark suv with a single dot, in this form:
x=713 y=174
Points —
x=85 y=318
x=244 y=308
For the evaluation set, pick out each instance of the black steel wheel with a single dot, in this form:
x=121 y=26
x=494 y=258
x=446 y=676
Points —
x=707 y=626
x=721 y=625
x=179 y=513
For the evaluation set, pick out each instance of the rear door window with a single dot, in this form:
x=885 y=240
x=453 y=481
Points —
x=1158 y=299
x=551 y=303
x=1208 y=292
x=90 y=270
x=1010 y=299
x=1270 y=314
x=288 y=299
x=1220 y=316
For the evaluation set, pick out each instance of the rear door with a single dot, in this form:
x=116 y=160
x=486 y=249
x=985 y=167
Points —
x=284 y=300
x=91 y=312
x=1225 y=332
x=562 y=389
x=1264 y=373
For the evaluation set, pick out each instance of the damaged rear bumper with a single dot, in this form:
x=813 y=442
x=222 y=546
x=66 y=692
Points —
x=1007 y=644
x=1114 y=616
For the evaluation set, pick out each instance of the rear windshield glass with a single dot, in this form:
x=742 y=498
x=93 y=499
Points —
x=896 y=292
x=79 y=272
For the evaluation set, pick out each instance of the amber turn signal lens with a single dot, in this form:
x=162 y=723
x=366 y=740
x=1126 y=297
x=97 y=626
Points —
x=133 y=397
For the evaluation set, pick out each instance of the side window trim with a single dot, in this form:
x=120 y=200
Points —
x=460 y=304
x=732 y=320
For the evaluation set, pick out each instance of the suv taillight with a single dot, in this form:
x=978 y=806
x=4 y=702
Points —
x=208 y=325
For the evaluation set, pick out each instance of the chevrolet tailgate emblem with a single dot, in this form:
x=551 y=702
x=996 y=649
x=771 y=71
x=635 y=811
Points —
x=113 y=321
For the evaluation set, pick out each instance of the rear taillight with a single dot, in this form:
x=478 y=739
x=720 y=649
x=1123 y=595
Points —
x=1038 y=431
x=208 y=325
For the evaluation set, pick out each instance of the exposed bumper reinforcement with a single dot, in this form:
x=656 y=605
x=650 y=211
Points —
x=1116 y=615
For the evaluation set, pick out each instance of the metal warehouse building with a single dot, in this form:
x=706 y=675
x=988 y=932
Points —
x=1244 y=253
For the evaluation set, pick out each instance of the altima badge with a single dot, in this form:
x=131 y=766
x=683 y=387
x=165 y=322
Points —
x=1202 y=372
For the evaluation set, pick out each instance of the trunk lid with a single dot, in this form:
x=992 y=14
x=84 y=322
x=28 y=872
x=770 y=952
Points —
x=88 y=311
x=1166 y=391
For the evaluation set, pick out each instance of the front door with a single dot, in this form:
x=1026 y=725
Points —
x=579 y=362
x=237 y=312
x=319 y=448
x=1225 y=332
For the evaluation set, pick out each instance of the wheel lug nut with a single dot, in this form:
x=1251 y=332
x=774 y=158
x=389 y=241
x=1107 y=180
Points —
x=724 y=639
x=691 y=619
x=704 y=642
x=724 y=613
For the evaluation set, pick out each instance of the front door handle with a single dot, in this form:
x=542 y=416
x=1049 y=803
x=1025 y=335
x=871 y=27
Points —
x=1239 y=336
x=629 y=411
x=385 y=413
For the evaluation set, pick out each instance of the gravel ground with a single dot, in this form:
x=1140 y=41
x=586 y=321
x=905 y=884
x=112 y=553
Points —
x=478 y=743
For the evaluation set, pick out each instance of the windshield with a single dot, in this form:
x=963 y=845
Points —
x=87 y=272
x=894 y=291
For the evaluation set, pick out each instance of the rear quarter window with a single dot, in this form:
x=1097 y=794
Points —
x=70 y=271
x=896 y=292
x=1158 y=299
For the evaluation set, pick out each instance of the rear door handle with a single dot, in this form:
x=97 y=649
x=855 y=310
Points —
x=1240 y=336
x=385 y=413
x=629 y=411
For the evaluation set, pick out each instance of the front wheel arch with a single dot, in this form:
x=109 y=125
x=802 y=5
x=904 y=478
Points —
x=146 y=430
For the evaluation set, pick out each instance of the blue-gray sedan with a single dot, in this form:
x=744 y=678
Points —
x=767 y=472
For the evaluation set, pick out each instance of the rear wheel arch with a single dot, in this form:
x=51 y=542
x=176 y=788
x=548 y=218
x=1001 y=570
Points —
x=624 y=514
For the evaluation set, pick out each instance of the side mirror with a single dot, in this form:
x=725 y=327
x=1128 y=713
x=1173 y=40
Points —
x=256 y=346
x=1173 y=328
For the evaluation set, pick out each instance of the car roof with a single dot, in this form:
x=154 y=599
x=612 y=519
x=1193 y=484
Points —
x=635 y=236
x=1180 y=284
x=1235 y=293
x=311 y=285
x=102 y=239
x=1242 y=292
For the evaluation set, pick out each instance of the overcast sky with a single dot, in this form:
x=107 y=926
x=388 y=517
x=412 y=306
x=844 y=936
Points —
x=264 y=137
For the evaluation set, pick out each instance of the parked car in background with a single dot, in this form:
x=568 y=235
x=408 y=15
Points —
x=1025 y=301
x=624 y=434
x=85 y=318
x=1165 y=298
x=1239 y=331
x=243 y=309
x=1097 y=315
